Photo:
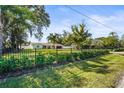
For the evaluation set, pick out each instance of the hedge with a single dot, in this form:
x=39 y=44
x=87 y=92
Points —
x=25 y=62
x=119 y=49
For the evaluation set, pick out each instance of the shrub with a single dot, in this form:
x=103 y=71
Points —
x=119 y=50
x=49 y=59
x=61 y=58
x=25 y=62
x=69 y=57
x=40 y=59
x=76 y=56
x=3 y=67
x=12 y=63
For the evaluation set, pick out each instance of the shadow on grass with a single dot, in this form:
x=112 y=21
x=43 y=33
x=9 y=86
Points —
x=99 y=60
x=51 y=79
x=96 y=65
x=57 y=80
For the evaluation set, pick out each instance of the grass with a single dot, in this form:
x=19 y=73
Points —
x=98 y=72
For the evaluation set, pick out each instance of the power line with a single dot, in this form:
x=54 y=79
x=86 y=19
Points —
x=80 y=13
x=94 y=8
x=67 y=26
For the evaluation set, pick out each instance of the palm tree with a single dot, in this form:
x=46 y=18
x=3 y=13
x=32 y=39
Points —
x=66 y=38
x=79 y=35
x=113 y=34
x=114 y=39
x=53 y=38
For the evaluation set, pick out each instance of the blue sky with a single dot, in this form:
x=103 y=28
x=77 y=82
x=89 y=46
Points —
x=62 y=18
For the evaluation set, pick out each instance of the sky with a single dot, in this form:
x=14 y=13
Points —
x=62 y=18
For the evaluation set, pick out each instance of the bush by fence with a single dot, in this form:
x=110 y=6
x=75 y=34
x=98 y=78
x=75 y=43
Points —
x=14 y=63
x=119 y=49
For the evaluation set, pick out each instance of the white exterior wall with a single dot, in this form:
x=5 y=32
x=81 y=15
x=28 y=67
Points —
x=32 y=46
x=27 y=47
x=67 y=47
x=37 y=46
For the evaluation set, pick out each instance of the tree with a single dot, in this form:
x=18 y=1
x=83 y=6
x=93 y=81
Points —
x=122 y=41
x=113 y=40
x=96 y=43
x=13 y=16
x=18 y=20
x=87 y=43
x=79 y=35
x=113 y=34
x=66 y=38
x=40 y=21
x=110 y=41
x=54 y=38
x=1 y=37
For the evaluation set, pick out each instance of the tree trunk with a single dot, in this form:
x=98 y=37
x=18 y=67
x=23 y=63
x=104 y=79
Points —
x=1 y=35
x=13 y=40
x=1 y=42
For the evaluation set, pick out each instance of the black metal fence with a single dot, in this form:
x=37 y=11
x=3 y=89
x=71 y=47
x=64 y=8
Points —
x=15 y=60
x=32 y=53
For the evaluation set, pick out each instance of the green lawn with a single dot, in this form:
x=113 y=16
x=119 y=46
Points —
x=102 y=72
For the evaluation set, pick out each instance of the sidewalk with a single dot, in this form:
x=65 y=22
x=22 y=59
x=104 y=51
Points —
x=121 y=83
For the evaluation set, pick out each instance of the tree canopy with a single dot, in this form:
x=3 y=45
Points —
x=81 y=38
x=18 y=21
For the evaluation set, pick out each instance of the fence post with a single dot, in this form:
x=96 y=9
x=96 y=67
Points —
x=71 y=53
x=0 y=53
x=71 y=50
x=35 y=55
x=56 y=55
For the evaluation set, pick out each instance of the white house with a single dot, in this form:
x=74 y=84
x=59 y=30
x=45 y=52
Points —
x=42 y=46
x=67 y=47
x=27 y=46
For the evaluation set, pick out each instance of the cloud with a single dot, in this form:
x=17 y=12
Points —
x=63 y=9
x=115 y=21
x=54 y=28
x=66 y=22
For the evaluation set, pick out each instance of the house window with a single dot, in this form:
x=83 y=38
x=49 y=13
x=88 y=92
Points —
x=38 y=46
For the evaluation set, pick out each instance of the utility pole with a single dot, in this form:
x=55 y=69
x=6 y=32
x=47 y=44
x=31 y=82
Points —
x=1 y=35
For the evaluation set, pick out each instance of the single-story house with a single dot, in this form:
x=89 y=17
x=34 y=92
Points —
x=27 y=47
x=67 y=47
x=42 y=46
x=47 y=45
